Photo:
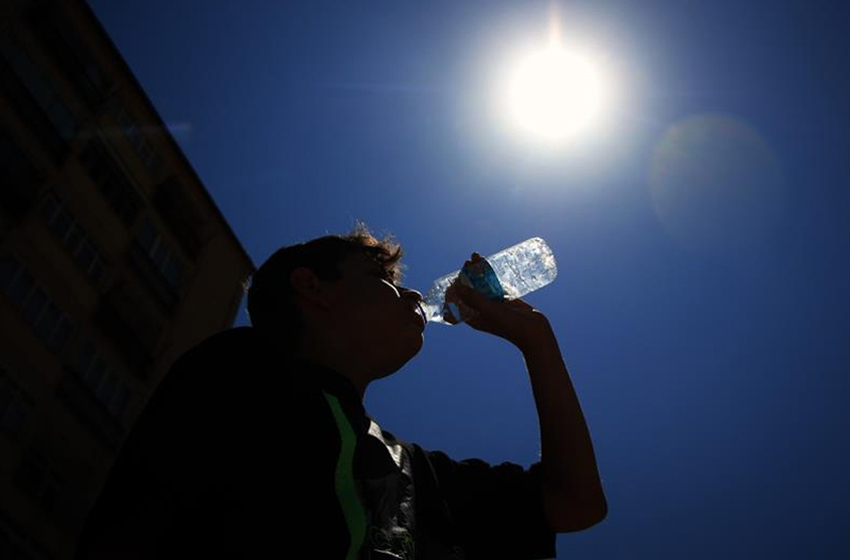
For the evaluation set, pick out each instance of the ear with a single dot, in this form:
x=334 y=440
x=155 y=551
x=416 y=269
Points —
x=307 y=287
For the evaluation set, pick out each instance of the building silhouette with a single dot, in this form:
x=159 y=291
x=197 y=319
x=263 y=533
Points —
x=114 y=260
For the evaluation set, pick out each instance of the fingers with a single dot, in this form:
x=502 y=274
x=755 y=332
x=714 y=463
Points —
x=467 y=293
x=474 y=258
x=458 y=307
x=472 y=299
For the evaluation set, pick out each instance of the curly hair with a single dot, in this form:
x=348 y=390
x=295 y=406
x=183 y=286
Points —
x=270 y=304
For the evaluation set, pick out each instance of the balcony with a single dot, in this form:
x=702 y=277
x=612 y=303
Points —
x=181 y=216
x=131 y=328
x=153 y=278
x=72 y=58
x=28 y=111
x=85 y=406
x=19 y=189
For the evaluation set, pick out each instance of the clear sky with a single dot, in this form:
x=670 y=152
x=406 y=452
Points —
x=700 y=224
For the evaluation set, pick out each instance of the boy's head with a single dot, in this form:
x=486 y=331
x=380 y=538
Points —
x=339 y=294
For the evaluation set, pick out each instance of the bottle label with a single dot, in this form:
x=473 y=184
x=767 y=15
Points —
x=481 y=277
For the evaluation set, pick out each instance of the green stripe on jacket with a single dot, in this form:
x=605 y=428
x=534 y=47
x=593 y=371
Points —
x=346 y=488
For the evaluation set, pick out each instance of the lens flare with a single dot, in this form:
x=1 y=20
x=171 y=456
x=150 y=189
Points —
x=716 y=184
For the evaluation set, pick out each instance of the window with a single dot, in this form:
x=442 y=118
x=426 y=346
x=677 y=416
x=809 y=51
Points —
x=21 y=180
x=141 y=145
x=47 y=326
x=158 y=254
x=60 y=226
x=166 y=261
x=21 y=287
x=13 y=412
x=68 y=231
x=8 y=269
x=15 y=166
x=107 y=389
x=85 y=357
x=181 y=213
x=39 y=481
x=26 y=109
x=49 y=323
x=85 y=255
x=119 y=403
x=73 y=239
x=61 y=336
x=97 y=270
x=147 y=236
x=34 y=306
x=94 y=377
x=114 y=183
x=40 y=89
x=53 y=328
x=173 y=273
x=15 y=406
x=71 y=55
x=105 y=382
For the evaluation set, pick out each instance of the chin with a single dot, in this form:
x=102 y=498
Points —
x=400 y=361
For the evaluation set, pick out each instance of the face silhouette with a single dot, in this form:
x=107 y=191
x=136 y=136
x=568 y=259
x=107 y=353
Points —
x=381 y=321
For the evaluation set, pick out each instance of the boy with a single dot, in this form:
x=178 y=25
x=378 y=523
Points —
x=257 y=442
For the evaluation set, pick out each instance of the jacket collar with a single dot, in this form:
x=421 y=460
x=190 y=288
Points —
x=327 y=379
x=332 y=382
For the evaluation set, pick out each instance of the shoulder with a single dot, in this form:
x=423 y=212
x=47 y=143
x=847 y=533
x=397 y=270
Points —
x=226 y=361
x=232 y=382
x=473 y=482
x=231 y=345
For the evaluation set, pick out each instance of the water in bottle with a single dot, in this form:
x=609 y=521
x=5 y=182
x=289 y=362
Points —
x=509 y=274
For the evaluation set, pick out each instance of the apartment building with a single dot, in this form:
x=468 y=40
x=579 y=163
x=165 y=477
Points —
x=114 y=259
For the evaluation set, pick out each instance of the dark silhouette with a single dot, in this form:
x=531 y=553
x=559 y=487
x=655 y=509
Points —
x=257 y=442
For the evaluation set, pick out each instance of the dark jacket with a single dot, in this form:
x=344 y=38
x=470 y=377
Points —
x=242 y=453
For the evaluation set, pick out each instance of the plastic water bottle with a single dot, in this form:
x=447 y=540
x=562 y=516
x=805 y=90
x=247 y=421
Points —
x=509 y=274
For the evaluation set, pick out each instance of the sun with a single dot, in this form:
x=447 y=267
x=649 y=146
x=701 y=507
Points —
x=554 y=93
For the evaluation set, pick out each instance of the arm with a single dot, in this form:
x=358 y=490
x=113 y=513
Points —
x=573 y=497
x=572 y=492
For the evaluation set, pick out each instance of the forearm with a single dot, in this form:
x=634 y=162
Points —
x=572 y=489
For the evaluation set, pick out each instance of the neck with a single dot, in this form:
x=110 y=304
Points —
x=336 y=359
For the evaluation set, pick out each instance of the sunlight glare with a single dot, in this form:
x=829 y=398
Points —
x=554 y=93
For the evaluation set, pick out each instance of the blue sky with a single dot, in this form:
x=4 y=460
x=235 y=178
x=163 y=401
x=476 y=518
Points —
x=701 y=229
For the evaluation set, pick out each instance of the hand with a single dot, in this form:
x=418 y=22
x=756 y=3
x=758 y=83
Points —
x=513 y=320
